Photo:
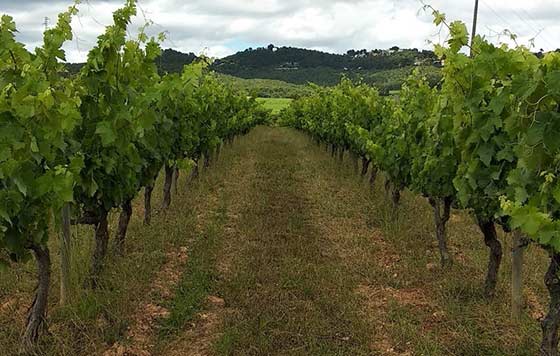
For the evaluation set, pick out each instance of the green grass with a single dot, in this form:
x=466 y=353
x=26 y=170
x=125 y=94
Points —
x=275 y=104
x=290 y=296
x=195 y=285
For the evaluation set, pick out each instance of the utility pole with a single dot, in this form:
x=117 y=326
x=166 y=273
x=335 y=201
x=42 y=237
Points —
x=475 y=19
x=46 y=23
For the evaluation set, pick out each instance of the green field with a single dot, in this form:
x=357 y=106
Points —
x=275 y=104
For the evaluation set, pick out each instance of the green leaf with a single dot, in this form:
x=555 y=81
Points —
x=65 y=188
x=439 y=17
x=43 y=185
x=47 y=99
x=34 y=147
x=459 y=36
x=486 y=152
x=4 y=215
x=8 y=22
x=26 y=109
x=555 y=243
x=553 y=82
x=77 y=164
x=107 y=133
x=498 y=103
x=92 y=188
x=21 y=185
x=532 y=222
x=521 y=195
x=505 y=155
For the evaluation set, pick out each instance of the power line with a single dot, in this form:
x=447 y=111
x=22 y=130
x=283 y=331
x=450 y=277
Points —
x=538 y=32
x=532 y=29
x=504 y=21
x=510 y=27
x=533 y=19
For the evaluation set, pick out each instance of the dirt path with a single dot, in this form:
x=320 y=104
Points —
x=294 y=260
x=285 y=286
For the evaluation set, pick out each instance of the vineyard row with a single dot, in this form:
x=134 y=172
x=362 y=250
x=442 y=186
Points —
x=485 y=140
x=76 y=147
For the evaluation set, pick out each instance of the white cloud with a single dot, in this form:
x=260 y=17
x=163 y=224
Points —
x=221 y=27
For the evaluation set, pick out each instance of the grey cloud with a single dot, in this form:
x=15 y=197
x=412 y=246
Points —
x=336 y=25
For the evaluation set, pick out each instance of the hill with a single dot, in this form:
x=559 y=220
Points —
x=280 y=71
x=301 y=66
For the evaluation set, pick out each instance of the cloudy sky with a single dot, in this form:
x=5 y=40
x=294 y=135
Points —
x=222 y=27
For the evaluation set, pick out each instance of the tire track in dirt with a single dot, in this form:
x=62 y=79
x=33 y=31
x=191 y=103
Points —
x=141 y=336
x=199 y=337
x=359 y=247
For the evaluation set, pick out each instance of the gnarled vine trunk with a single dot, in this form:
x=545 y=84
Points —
x=365 y=165
x=488 y=228
x=169 y=173
x=191 y=177
x=373 y=176
x=549 y=325
x=124 y=220
x=101 y=244
x=218 y=151
x=37 y=313
x=396 y=196
x=393 y=192
x=207 y=159
x=387 y=188
x=196 y=170
x=333 y=151
x=442 y=213
x=176 y=180
x=148 y=190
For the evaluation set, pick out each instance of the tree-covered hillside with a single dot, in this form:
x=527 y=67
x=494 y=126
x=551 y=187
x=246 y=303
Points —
x=290 y=58
x=301 y=66
x=385 y=69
